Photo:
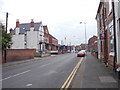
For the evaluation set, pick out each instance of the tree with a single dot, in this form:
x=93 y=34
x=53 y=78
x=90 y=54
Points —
x=5 y=38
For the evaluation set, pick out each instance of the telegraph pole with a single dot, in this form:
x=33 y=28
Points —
x=6 y=20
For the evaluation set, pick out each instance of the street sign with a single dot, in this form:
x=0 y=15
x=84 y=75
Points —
x=102 y=36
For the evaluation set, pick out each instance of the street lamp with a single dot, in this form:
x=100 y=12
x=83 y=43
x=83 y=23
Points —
x=85 y=34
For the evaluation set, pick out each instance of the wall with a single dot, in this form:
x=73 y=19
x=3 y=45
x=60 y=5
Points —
x=118 y=54
x=18 y=41
x=117 y=8
x=19 y=54
x=98 y=34
x=32 y=40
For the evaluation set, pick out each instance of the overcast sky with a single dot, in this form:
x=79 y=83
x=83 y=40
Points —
x=61 y=16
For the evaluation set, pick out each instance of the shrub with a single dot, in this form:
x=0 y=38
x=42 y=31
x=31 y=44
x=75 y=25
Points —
x=38 y=55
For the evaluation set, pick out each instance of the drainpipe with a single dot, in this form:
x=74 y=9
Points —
x=114 y=28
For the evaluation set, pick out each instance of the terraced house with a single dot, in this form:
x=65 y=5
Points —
x=108 y=26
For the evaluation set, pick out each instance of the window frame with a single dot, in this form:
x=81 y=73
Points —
x=111 y=36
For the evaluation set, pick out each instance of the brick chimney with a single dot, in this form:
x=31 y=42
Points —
x=17 y=29
x=32 y=25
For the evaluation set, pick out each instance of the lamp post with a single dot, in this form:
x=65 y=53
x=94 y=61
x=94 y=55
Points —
x=85 y=34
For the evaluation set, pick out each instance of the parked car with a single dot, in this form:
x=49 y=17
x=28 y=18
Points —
x=81 y=54
x=76 y=51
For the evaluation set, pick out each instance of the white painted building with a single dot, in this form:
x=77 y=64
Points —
x=117 y=20
x=28 y=36
x=20 y=41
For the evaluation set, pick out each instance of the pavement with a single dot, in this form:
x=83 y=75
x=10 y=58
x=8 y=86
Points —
x=93 y=74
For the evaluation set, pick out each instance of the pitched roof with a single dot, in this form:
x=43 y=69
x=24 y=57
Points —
x=52 y=36
x=26 y=27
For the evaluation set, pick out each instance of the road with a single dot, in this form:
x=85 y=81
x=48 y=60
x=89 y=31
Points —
x=49 y=72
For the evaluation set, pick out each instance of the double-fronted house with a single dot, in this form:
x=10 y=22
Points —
x=28 y=36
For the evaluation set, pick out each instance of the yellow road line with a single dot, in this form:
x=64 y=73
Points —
x=71 y=76
x=63 y=86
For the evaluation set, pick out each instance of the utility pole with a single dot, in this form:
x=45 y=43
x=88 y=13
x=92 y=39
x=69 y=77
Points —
x=6 y=20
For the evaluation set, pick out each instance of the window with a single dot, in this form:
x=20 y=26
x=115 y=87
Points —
x=111 y=37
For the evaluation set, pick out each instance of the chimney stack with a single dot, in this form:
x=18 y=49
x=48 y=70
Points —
x=17 y=23
x=17 y=30
x=32 y=23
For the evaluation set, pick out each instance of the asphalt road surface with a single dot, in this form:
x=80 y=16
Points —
x=49 y=72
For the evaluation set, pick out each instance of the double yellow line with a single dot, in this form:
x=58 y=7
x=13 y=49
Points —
x=71 y=76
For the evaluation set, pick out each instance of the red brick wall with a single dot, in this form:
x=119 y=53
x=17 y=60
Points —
x=111 y=62
x=50 y=39
x=19 y=54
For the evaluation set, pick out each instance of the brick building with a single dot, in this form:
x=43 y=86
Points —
x=77 y=48
x=46 y=38
x=83 y=46
x=51 y=43
x=92 y=45
x=108 y=33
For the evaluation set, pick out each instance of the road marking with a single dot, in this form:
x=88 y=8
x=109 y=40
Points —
x=15 y=75
x=68 y=78
x=71 y=76
x=44 y=65
x=28 y=85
